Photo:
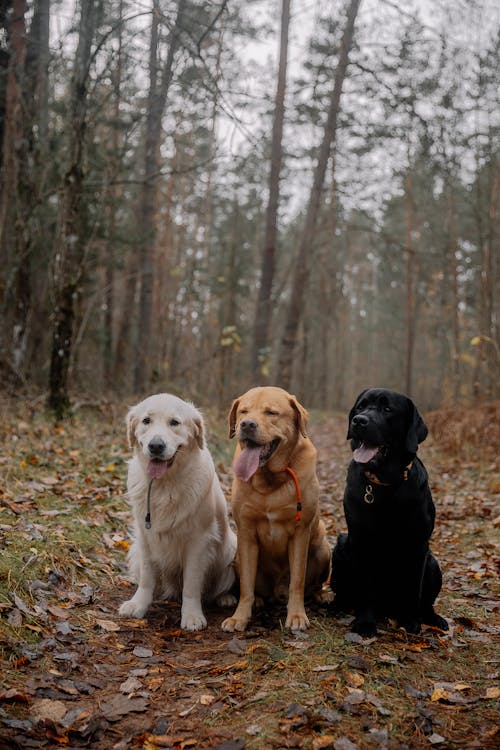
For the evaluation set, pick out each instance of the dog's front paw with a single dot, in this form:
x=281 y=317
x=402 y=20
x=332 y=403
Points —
x=365 y=627
x=193 y=621
x=230 y=624
x=297 y=621
x=411 y=626
x=132 y=608
x=440 y=622
x=436 y=621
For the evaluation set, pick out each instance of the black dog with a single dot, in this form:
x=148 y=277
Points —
x=383 y=567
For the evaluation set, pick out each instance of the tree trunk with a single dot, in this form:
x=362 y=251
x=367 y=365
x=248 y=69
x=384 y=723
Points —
x=410 y=301
x=14 y=275
x=113 y=197
x=302 y=266
x=260 y=354
x=157 y=99
x=71 y=241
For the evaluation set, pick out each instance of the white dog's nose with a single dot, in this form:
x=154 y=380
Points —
x=156 y=447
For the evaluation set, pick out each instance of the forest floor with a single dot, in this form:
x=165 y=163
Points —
x=74 y=674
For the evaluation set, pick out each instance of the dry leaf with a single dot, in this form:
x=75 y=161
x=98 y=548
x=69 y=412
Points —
x=108 y=625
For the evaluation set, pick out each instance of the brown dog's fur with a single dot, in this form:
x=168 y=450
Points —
x=276 y=553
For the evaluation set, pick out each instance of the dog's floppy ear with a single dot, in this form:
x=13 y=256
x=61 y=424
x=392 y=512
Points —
x=232 y=417
x=301 y=415
x=131 y=421
x=199 y=430
x=351 y=413
x=417 y=430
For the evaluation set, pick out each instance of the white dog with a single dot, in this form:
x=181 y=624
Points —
x=184 y=548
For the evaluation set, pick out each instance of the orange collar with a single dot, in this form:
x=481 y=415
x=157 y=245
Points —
x=298 y=515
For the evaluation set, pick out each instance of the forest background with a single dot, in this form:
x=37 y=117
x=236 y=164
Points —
x=199 y=196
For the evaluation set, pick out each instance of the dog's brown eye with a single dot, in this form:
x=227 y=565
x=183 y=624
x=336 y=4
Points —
x=146 y=420
x=174 y=422
x=243 y=411
x=270 y=413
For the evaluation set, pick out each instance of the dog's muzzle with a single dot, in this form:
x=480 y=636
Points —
x=157 y=447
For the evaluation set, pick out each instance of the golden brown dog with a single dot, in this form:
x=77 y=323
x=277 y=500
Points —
x=281 y=548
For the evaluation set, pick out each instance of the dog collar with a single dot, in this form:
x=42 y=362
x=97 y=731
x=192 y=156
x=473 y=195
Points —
x=373 y=479
x=298 y=514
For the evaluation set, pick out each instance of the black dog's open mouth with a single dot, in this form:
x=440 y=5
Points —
x=253 y=456
x=365 y=453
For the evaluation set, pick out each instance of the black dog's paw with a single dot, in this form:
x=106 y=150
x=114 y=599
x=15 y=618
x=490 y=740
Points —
x=441 y=623
x=411 y=626
x=436 y=621
x=364 y=626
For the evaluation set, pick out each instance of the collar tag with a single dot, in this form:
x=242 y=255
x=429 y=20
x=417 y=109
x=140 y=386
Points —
x=368 y=496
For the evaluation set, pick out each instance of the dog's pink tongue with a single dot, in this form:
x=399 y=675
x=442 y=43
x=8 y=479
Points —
x=156 y=469
x=247 y=463
x=365 y=453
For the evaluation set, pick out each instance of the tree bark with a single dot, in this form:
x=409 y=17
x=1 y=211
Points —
x=260 y=354
x=14 y=284
x=157 y=98
x=410 y=301
x=113 y=197
x=71 y=241
x=302 y=266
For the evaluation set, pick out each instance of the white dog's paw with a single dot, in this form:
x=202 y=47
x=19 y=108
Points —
x=132 y=608
x=226 y=601
x=193 y=621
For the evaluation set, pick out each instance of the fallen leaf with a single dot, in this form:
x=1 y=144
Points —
x=492 y=692
x=44 y=709
x=354 y=679
x=344 y=743
x=120 y=705
x=253 y=730
x=15 y=618
x=110 y=626
x=207 y=699
x=59 y=612
x=14 y=695
x=435 y=739
x=323 y=742
x=326 y=668
x=49 y=481
x=356 y=638
x=440 y=694
x=236 y=744
x=131 y=685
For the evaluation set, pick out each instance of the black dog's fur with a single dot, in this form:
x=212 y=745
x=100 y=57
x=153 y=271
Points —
x=383 y=567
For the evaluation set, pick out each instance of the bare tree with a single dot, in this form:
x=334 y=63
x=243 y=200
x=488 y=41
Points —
x=71 y=238
x=13 y=283
x=157 y=99
x=302 y=266
x=264 y=301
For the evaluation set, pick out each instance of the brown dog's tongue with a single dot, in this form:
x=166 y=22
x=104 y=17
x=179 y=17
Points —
x=247 y=463
x=365 y=453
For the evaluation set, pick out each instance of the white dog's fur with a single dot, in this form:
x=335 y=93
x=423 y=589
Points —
x=188 y=553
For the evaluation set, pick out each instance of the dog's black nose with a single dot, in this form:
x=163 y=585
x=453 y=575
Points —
x=360 y=420
x=248 y=425
x=156 y=446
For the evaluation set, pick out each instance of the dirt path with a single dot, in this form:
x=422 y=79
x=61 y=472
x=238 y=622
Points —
x=75 y=675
